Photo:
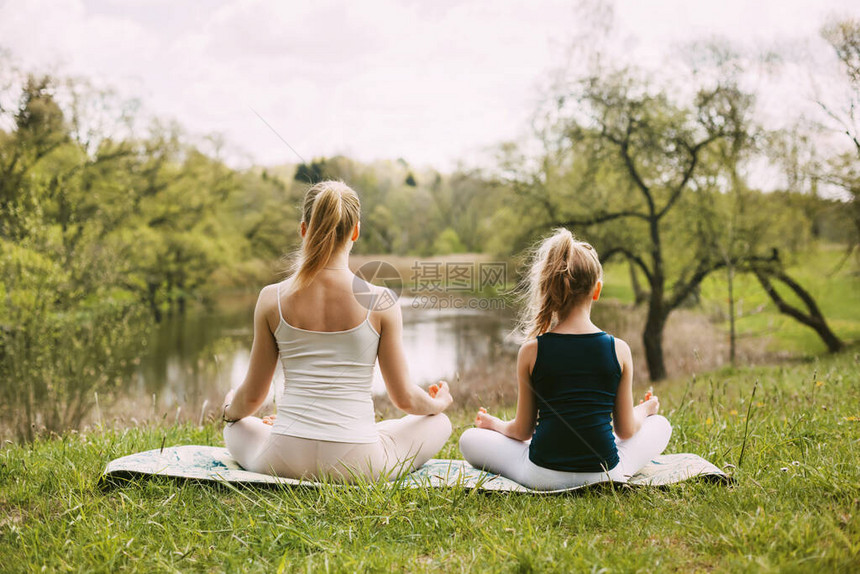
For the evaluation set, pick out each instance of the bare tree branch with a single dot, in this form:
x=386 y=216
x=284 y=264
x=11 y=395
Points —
x=813 y=319
x=607 y=255
x=688 y=173
x=846 y=129
x=685 y=288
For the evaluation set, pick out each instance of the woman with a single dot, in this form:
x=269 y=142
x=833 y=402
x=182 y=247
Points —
x=328 y=343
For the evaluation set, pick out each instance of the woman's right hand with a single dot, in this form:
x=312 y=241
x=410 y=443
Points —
x=440 y=395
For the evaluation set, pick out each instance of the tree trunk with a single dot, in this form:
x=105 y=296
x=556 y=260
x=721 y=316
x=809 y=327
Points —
x=639 y=294
x=653 y=340
x=151 y=291
x=732 y=328
x=812 y=318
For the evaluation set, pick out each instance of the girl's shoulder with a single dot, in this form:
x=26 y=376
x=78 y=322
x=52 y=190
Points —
x=527 y=356
x=528 y=350
x=529 y=346
x=623 y=352
x=621 y=344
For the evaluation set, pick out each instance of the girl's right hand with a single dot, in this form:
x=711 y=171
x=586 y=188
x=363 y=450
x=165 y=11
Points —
x=651 y=406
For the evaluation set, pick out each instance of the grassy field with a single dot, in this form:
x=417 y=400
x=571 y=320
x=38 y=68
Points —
x=794 y=507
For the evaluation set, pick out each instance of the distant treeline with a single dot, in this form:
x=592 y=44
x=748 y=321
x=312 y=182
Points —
x=162 y=221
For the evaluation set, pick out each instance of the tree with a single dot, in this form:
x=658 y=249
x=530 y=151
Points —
x=448 y=242
x=621 y=160
x=312 y=173
x=39 y=129
x=843 y=35
x=57 y=269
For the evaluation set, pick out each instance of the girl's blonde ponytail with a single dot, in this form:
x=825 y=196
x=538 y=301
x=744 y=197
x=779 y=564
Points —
x=563 y=272
x=331 y=211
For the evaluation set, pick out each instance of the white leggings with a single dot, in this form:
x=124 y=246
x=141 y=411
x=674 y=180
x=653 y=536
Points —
x=496 y=453
x=404 y=444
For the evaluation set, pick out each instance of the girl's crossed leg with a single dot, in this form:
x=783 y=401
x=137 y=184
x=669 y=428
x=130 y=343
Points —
x=496 y=453
x=649 y=442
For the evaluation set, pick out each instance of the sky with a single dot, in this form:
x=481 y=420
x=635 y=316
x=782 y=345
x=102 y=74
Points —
x=433 y=82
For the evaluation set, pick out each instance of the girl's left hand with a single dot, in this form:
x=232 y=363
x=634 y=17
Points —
x=651 y=405
x=484 y=420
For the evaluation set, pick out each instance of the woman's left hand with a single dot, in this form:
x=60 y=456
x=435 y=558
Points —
x=227 y=400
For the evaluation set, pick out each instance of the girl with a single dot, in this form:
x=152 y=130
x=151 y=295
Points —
x=327 y=343
x=575 y=383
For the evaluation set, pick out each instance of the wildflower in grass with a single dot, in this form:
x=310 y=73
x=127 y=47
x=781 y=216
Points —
x=733 y=412
x=819 y=383
x=709 y=421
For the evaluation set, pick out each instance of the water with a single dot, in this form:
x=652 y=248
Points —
x=198 y=357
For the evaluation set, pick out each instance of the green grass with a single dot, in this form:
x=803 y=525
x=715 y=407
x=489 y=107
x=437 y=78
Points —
x=837 y=294
x=794 y=506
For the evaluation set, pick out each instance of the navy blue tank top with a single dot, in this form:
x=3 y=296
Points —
x=575 y=378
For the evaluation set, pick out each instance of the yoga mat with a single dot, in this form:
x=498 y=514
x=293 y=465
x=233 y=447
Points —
x=214 y=464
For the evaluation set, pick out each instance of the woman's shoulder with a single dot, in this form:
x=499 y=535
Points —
x=269 y=299
x=270 y=293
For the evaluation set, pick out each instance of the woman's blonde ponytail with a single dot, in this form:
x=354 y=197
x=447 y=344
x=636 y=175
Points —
x=331 y=211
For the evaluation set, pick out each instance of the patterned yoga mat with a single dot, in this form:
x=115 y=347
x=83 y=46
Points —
x=214 y=464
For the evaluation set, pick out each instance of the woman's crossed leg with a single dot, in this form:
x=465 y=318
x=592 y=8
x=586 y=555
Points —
x=404 y=444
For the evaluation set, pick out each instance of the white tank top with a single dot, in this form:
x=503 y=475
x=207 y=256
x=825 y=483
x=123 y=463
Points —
x=327 y=382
